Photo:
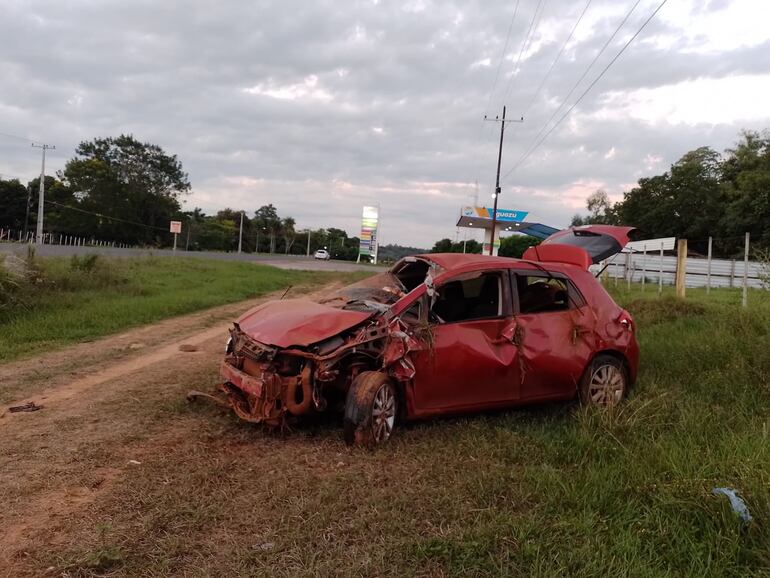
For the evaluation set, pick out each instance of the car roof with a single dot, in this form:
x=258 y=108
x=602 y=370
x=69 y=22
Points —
x=452 y=261
x=461 y=261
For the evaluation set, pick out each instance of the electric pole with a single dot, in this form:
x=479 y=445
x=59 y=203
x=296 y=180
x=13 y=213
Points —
x=240 y=235
x=41 y=196
x=26 y=216
x=502 y=122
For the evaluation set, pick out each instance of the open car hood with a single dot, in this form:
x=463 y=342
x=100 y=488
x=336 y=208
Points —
x=599 y=241
x=297 y=322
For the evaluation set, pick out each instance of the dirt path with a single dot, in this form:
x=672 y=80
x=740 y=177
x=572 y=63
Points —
x=52 y=376
x=100 y=418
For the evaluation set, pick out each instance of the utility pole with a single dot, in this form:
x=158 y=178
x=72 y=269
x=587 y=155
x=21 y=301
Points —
x=240 y=235
x=26 y=217
x=308 y=242
x=41 y=196
x=502 y=122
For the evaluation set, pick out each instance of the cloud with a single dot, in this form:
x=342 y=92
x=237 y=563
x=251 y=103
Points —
x=320 y=107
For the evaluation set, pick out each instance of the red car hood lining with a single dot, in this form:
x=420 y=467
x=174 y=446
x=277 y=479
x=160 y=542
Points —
x=297 y=322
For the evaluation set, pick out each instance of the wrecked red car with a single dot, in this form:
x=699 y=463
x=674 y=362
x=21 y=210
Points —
x=439 y=334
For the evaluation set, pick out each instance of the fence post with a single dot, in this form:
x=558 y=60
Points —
x=681 y=266
x=745 y=299
x=660 y=275
x=629 y=272
x=644 y=266
x=708 y=270
x=732 y=273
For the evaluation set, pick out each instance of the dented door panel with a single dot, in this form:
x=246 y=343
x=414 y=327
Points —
x=470 y=364
x=555 y=348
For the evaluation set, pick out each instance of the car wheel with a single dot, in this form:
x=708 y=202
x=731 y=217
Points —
x=370 y=410
x=604 y=383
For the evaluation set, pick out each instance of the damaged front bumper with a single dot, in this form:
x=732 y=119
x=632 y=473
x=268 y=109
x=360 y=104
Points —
x=261 y=395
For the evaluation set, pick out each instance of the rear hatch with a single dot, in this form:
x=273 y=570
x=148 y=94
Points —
x=599 y=241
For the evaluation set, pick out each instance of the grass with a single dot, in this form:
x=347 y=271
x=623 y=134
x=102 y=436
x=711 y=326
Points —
x=53 y=302
x=548 y=491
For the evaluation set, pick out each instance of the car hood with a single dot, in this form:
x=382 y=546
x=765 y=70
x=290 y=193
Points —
x=599 y=241
x=297 y=322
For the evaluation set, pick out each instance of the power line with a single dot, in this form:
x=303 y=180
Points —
x=16 y=137
x=524 y=45
x=79 y=210
x=558 y=57
x=590 y=86
x=482 y=127
x=502 y=57
x=585 y=73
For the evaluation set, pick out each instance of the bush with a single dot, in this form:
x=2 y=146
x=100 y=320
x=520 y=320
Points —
x=86 y=264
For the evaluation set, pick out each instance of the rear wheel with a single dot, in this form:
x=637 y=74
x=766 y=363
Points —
x=604 y=383
x=370 y=410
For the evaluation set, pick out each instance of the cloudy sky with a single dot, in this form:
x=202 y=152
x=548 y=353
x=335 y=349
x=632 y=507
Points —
x=320 y=107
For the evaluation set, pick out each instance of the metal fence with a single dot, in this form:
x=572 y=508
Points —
x=19 y=236
x=699 y=272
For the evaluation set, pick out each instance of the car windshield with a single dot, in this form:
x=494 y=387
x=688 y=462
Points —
x=376 y=293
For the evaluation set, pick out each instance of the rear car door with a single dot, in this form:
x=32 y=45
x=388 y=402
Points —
x=554 y=329
x=471 y=360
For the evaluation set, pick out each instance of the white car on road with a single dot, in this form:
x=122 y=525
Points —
x=322 y=254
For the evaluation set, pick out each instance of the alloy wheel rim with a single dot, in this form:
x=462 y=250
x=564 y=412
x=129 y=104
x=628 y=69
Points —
x=607 y=385
x=383 y=413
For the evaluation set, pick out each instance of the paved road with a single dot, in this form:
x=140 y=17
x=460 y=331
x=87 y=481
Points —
x=282 y=261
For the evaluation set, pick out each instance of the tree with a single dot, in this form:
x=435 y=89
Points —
x=601 y=211
x=515 y=245
x=13 y=204
x=442 y=246
x=122 y=178
x=268 y=224
x=745 y=175
x=288 y=232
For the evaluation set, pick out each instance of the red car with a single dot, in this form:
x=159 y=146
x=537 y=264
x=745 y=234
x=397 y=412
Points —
x=439 y=334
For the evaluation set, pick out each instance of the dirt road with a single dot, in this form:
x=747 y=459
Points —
x=110 y=408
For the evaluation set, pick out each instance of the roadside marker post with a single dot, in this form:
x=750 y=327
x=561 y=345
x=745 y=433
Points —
x=660 y=273
x=708 y=269
x=745 y=296
x=681 y=267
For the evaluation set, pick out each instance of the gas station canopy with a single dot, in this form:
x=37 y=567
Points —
x=507 y=221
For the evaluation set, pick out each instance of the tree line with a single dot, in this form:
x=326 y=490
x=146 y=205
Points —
x=512 y=246
x=123 y=190
x=704 y=194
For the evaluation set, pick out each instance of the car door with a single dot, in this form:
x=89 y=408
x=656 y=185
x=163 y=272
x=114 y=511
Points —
x=554 y=334
x=471 y=358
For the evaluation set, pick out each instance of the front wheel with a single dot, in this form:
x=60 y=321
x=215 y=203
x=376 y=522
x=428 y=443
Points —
x=604 y=383
x=370 y=410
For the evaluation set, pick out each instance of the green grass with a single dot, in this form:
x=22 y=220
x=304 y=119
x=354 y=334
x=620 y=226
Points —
x=548 y=491
x=63 y=301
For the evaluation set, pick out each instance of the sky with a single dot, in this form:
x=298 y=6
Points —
x=321 y=107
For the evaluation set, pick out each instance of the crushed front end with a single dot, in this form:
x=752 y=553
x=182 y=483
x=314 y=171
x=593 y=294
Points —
x=262 y=384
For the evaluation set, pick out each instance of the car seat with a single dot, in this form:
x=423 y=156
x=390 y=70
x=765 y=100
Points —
x=450 y=305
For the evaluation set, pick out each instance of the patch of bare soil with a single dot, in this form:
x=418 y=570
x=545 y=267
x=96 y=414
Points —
x=58 y=375
x=99 y=422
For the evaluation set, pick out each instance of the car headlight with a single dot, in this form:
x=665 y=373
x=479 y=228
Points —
x=229 y=346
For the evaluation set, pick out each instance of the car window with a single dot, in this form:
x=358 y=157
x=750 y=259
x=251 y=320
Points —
x=475 y=297
x=542 y=294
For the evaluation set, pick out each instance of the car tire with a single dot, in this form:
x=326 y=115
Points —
x=371 y=410
x=604 y=382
